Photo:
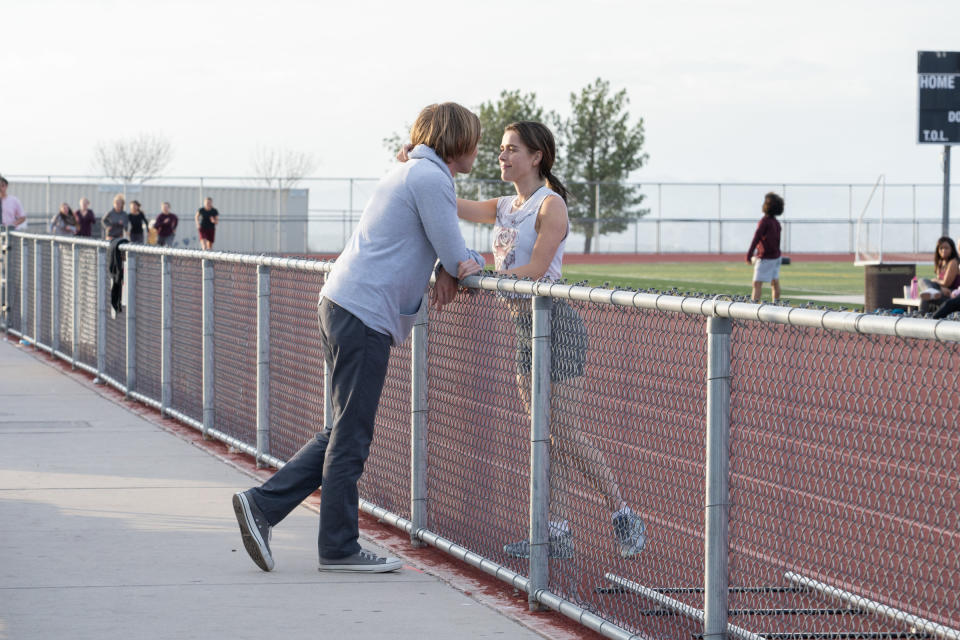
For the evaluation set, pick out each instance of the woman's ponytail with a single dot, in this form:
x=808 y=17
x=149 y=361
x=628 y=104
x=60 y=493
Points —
x=554 y=183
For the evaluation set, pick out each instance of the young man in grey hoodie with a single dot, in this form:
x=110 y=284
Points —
x=369 y=302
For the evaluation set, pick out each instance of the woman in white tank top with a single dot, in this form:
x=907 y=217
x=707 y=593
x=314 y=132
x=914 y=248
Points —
x=530 y=232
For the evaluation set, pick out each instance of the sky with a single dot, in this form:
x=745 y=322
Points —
x=733 y=91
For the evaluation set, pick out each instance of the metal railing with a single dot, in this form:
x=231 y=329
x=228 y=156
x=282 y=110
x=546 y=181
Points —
x=711 y=217
x=779 y=459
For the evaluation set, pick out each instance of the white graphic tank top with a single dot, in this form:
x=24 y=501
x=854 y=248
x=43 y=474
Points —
x=515 y=233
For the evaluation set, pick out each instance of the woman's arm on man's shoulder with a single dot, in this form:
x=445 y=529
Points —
x=481 y=212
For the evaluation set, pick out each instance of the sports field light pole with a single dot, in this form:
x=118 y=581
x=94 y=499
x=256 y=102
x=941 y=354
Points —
x=945 y=223
x=717 y=512
x=539 y=452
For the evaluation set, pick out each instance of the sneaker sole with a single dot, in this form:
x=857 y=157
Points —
x=361 y=568
x=252 y=540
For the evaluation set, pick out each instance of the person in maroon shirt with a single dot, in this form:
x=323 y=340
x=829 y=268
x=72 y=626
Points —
x=166 y=226
x=85 y=218
x=766 y=242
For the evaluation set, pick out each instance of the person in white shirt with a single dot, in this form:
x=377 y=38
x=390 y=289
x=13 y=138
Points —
x=11 y=210
x=529 y=234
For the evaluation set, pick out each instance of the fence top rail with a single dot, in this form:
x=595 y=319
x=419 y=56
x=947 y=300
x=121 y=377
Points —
x=847 y=321
x=298 y=264
x=717 y=306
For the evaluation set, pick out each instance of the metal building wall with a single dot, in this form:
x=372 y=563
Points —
x=248 y=215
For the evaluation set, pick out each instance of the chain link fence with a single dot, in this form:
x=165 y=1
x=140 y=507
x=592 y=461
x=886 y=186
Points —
x=654 y=466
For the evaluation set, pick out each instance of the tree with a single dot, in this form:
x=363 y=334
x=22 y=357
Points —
x=494 y=117
x=281 y=168
x=602 y=148
x=394 y=141
x=135 y=159
x=512 y=106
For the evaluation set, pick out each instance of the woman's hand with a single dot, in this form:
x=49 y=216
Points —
x=467 y=268
x=404 y=154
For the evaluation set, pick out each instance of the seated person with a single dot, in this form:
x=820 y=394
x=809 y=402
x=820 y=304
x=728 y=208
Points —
x=947 y=268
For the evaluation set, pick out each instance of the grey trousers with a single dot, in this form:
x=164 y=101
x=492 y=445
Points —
x=357 y=357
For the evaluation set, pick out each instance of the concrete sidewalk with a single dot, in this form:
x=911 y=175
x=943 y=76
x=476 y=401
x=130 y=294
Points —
x=113 y=527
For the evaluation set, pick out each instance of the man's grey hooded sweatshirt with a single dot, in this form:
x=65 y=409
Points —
x=410 y=221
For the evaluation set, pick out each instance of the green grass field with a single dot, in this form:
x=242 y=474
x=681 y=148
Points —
x=799 y=281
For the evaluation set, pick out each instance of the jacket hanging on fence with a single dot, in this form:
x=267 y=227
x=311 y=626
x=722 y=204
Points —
x=115 y=259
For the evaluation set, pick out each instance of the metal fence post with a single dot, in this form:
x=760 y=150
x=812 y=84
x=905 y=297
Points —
x=540 y=452
x=54 y=297
x=263 y=362
x=101 y=314
x=74 y=324
x=131 y=328
x=717 y=511
x=37 y=292
x=166 y=335
x=418 y=423
x=4 y=301
x=208 y=388
x=23 y=289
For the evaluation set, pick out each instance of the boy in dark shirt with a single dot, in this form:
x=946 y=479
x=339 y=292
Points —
x=766 y=241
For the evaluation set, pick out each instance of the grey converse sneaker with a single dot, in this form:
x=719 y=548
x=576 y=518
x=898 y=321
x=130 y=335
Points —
x=363 y=560
x=254 y=530
x=561 y=545
x=631 y=533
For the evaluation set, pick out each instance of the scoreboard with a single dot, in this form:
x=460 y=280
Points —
x=938 y=77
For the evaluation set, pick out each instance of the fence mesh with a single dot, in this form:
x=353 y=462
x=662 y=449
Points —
x=844 y=467
x=478 y=435
x=26 y=290
x=386 y=477
x=13 y=284
x=45 y=333
x=844 y=453
x=87 y=306
x=66 y=298
x=627 y=459
x=235 y=350
x=115 y=332
x=296 y=361
x=149 y=327
x=187 y=330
